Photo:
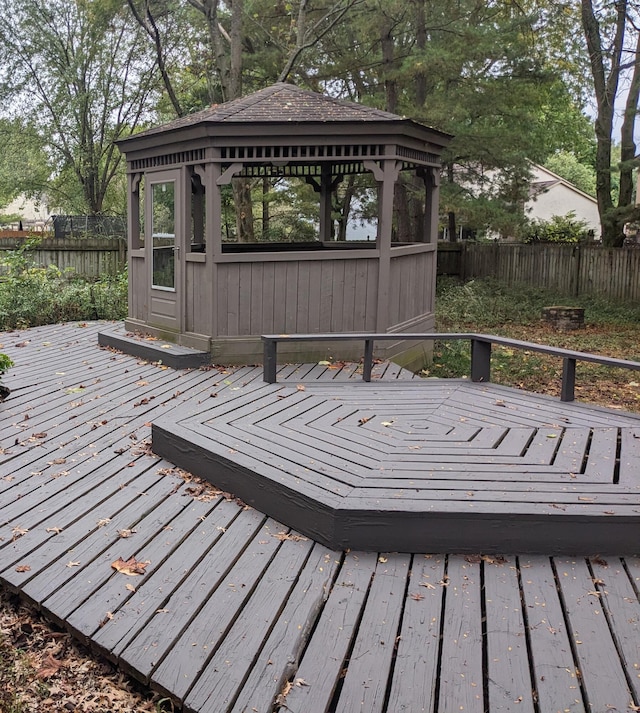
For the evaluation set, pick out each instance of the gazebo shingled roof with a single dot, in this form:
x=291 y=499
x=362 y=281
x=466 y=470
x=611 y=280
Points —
x=281 y=103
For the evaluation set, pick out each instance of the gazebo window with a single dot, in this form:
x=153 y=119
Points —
x=355 y=209
x=198 y=215
x=288 y=211
x=136 y=210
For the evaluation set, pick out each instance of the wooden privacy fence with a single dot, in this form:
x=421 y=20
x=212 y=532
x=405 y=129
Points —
x=88 y=257
x=569 y=269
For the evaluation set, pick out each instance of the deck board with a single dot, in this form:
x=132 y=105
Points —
x=508 y=672
x=602 y=672
x=238 y=612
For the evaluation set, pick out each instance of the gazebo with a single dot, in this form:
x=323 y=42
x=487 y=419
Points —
x=191 y=285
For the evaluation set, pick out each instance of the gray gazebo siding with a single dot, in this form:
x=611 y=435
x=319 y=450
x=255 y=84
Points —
x=224 y=298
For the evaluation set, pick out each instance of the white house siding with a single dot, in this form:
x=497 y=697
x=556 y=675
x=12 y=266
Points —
x=560 y=198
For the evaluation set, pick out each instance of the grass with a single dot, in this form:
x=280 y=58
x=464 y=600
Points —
x=611 y=328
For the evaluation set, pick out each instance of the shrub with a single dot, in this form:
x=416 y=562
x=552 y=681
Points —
x=32 y=295
x=560 y=229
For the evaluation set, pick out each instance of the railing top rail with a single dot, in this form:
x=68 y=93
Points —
x=473 y=336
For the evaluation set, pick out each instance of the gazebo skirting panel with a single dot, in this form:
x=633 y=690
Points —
x=236 y=612
x=462 y=466
x=326 y=290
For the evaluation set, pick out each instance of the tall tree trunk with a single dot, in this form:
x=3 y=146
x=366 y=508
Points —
x=421 y=44
x=606 y=89
x=235 y=74
x=627 y=142
x=344 y=208
x=451 y=216
x=390 y=85
x=148 y=24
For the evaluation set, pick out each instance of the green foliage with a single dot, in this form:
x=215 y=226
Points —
x=559 y=229
x=5 y=363
x=486 y=304
x=568 y=166
x=492 y=307
x=32 y=295
x=24 y=166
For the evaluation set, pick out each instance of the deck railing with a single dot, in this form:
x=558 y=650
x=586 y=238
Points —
x=480 y=353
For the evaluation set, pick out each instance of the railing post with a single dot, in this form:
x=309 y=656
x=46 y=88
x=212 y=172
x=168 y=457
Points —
x=480 y=360
x=567 y=391
x=270 y=360
x=367 y=364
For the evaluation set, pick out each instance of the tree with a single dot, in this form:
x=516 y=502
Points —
x=567 y=165
x=82 y=75
x=486 y=72
x=24 y=168
x=613 y=43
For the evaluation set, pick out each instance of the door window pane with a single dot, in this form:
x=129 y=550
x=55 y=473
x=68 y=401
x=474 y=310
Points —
x=164 y=235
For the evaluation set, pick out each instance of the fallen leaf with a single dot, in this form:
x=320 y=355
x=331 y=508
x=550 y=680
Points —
x=19 y=532
x=57 y=530
x=282 y=536
x=428 y=585
x=126 y=533
x=130 y=587
x=131 y=567
x=38 y=435
x=166 y=346
x=104 y=521
x=301 y=387
x=417 y=596
x=497 y=559
x=23 y=568
x=387 y=423
x=73 y=564
x=108 y=617
x=382 y=559
x=50 y=666
x=142 y=383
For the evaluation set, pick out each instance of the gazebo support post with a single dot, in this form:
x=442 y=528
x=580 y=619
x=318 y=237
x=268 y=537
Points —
x=386 y=175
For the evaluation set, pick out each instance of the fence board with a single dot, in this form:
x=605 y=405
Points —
x=569 y=269
x=87 y=257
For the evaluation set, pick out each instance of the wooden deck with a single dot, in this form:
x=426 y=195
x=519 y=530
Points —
x=236 y=611
x=443 y=465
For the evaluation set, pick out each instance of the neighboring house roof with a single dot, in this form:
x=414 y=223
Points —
x=539 y=187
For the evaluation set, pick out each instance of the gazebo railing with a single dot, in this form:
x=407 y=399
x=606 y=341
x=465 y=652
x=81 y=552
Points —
x=481 y=345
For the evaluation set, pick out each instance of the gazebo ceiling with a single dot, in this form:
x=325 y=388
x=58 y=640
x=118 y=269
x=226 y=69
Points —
x=282 y=113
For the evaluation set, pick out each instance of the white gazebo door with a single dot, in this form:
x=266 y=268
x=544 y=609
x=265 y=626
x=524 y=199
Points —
x=163 y=216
